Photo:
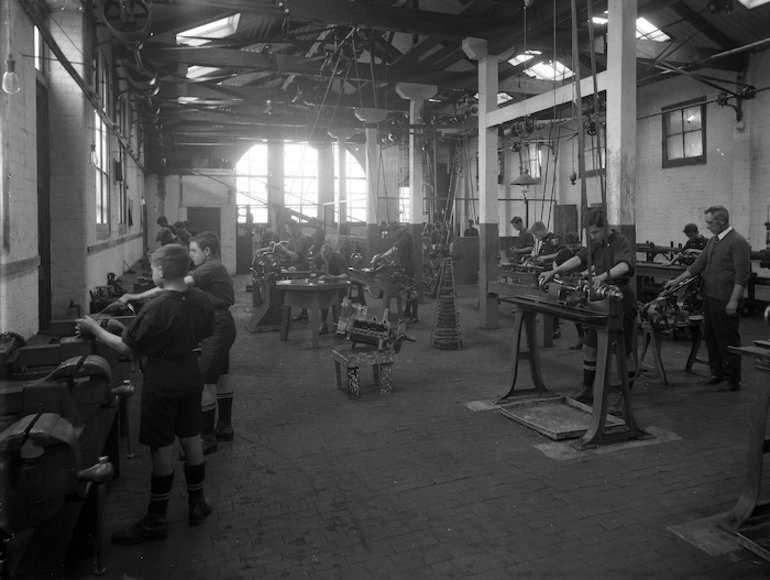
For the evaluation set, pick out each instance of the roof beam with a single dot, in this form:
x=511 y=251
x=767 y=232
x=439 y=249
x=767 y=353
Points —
x=288 y=65
x=369 y=15
x=703 y=25
x=544 y=101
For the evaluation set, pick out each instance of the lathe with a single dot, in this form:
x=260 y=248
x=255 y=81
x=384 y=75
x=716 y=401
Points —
x=600 y=309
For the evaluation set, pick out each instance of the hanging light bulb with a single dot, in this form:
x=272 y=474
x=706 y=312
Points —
x=93 y=159
x=11 y=84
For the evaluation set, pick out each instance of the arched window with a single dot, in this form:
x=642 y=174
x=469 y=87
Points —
x=251 y=185
x=300 y=170
x=355 y=186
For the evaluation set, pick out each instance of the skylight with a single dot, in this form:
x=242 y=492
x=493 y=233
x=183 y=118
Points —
x=195 y=72
x=753 y=3
x=205 y=33
x=547 y=71
x=646 y=29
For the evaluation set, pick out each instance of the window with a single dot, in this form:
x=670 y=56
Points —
x=404 y=205
x=684 y=134
x=251 y=185
x=355 y=186
x=99 y=161
x=38 y=48
x=300 y=165
x=100 y=151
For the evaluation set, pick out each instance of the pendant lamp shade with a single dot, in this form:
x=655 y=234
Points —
x=525 y=179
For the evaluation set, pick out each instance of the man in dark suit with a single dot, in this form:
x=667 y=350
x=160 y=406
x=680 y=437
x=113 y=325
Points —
x=724 y=266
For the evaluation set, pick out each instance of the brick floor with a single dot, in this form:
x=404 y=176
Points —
x=416 y=485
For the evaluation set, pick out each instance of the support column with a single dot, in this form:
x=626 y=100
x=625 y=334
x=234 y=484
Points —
x=488 y=221
x=740 y=212
x=326 y=182
x=373 y=173
x=275 y=186
x=416 y=94
x=621 y=117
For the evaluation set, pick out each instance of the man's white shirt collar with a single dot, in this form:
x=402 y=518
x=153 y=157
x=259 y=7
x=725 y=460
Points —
x=722 y=235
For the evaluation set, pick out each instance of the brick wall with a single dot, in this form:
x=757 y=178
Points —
x=18 y=269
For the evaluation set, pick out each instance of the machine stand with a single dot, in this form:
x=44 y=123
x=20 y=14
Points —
x=610 y=345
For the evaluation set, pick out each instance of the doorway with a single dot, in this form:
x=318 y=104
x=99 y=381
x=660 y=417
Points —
x=205 y=219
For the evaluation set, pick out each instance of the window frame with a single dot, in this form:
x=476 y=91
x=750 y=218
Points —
x=101 y=140
x=666 y=134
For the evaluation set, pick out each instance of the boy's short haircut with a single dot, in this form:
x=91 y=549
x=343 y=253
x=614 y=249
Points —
x=538 y=227
x=595 y=217
x=174 y=260
x=208 y=240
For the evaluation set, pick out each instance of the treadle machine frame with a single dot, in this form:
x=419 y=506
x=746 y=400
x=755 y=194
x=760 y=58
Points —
x=605 y=316
x=749 y=520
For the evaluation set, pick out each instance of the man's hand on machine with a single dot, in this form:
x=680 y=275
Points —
x=670 y=284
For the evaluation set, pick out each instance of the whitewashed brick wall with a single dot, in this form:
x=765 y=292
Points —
x=18 y=292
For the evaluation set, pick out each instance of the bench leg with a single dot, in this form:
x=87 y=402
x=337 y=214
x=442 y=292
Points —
x=385 y=372
x=354 y=388
x=337 y=375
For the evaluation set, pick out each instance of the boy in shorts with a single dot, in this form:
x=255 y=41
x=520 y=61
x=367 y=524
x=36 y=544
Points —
x=166 y=333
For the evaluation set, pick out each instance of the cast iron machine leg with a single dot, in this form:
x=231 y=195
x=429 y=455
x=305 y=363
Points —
x=610 y=345
x=749 y=506
x=526 y=319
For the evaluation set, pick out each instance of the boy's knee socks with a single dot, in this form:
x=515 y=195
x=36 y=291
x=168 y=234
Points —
x=225 y=405
x=194 y=476
x=160 y=491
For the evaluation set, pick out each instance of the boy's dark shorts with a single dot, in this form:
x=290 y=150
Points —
x=171 y=401
x=215 y=350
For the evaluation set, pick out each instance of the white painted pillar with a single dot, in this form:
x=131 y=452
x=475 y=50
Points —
x=275 y=185
x=621 y=116
x=489 y=240
x=373 y=171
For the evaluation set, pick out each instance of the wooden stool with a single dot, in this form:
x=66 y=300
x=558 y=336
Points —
x=359 y=297
x=381 y=361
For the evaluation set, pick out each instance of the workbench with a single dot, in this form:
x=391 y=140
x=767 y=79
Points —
x=312 y=295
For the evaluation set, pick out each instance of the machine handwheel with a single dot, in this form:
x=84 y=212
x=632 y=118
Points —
x=128 y=20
